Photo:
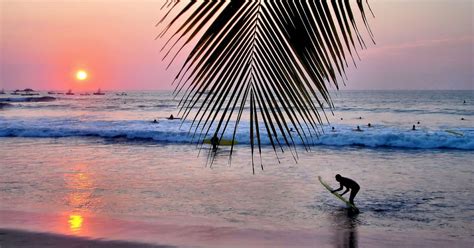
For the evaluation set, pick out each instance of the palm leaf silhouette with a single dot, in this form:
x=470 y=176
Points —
x=268 y=61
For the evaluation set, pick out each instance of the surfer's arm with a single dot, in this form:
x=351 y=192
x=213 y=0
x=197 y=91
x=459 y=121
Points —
x=347 y=189
x=340 y=188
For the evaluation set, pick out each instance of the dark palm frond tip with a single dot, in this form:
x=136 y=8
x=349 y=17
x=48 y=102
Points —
x=278 y=56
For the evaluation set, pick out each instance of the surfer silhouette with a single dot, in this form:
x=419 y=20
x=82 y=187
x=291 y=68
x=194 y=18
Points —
x=349 y=184
x=214 y=141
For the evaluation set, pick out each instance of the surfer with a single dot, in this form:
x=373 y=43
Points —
x=333 y=129
x=214 y=142
x=358 y=129
x=350 y=185
x=369 y=125
x=171 y=117
x=155 y=121
x=413 y=128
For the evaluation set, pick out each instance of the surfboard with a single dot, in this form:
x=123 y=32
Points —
x=454 y=132
x=352 y=206
x=223 y=142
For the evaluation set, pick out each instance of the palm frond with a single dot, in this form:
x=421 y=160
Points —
x=272 y=60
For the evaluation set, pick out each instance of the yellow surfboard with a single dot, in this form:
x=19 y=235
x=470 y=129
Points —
x=337 y=195
x=223 y=142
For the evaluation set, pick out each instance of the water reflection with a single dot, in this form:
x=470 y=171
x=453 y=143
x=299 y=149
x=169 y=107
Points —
x=75 y=223
x=345 y=232
x=80 y=186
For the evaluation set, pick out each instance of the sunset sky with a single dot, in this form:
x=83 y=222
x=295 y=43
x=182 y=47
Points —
x=43 y=44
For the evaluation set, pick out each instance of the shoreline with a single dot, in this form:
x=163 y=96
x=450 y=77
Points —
x=23 y=239
x=26 y=229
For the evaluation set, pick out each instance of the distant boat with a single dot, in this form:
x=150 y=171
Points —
x=51 y=92
x=69 y=93
x=2 y=92
x=29 y=93
x=99 y=93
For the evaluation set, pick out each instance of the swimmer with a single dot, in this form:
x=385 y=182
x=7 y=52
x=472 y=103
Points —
x=155 y=121
x=418 y=123
x=369 y=125
x=462 y=119
x=333 y=129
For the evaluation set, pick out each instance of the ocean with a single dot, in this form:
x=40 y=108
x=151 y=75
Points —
x=90 y=158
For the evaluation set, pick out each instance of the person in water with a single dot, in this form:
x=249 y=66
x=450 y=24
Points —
x=154 y=121
x=171 y=117
x=413 y=128
x=358 y=129
x=214 y=141
x=350 y=185
x=369 y=125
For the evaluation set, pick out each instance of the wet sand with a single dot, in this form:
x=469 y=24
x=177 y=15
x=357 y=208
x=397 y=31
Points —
x=24 y=229
x=24 y=239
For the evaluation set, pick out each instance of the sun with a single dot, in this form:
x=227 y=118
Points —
x=81 y=75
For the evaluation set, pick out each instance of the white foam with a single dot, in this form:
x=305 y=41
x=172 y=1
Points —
x=172 y=132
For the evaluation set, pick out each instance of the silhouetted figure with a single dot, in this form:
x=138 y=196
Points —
x=342 y=118
x=462 y=118
x=464 y=102
x=155 y=121
x=214 y=141
x=418 y=123
x=360 y=117
x=333 y=129
x=171 y=117
x=291 y=129
x=413 y=128
x=349 y=184
x=369 y=125
x=358 y=129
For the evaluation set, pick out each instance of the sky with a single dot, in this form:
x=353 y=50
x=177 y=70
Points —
x=419 y=45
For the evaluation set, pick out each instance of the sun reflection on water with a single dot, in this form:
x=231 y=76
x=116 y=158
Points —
x=75 y=223
x=80 y=185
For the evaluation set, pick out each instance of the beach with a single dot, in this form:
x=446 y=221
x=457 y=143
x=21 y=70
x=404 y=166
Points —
x=92 y=171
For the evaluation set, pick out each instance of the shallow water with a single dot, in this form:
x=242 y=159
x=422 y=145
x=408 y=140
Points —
x=402 y=190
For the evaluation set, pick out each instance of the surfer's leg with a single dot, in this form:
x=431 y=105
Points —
x=353 y=194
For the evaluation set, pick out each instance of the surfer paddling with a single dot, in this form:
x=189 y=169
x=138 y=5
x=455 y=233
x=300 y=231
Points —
x=350 y=185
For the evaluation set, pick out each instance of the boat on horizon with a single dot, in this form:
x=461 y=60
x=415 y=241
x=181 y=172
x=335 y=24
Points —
x=99 y=93
x=69 y=93
x=2 y=92
x=51 y=93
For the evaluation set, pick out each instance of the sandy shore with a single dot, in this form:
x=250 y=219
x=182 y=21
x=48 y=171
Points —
x=23 y=239
x=25 y=229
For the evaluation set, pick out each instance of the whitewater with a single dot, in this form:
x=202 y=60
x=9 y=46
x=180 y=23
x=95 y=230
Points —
x=442 y=119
